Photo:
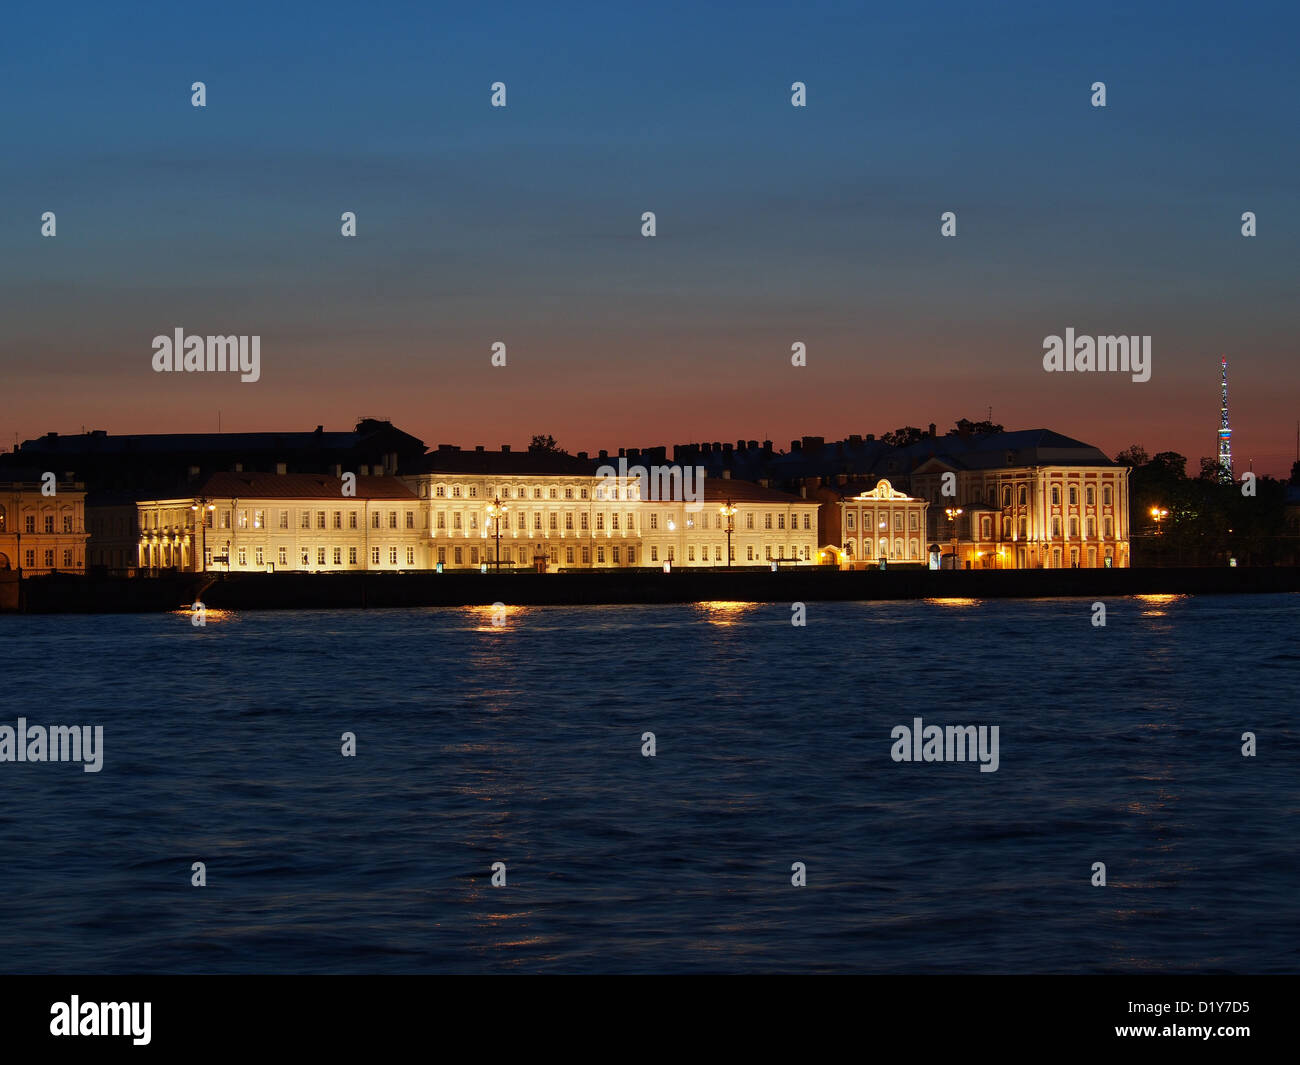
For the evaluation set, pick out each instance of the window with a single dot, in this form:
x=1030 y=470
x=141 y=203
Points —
x=613 y=521
x=442 y=520
x=670 y=553
x=582 y=493
x=29 y=559
x=986 y=528
x=568 y=555
x=616 y=554
x=1006 y=495
x=717 y=553
x=1090 y=527
x=284 y=556
x=455 y=491
x=568 y=521
x=537 y=521
x=807 y=522
x=29 y=525
x=473 y=491
x=767 y=552
x=49 y=557
x=600 y=521
x=320 y=557
x=410 y=556
x=442 y=555
x=410 y=519
x=441 y=492
x=242 y=519
x=750 y=552
x=320 y=519
x=374 y=555
x=392 y=556
x=458 y=555
x=523 y=524
x=654 y=521
x=555 y=521
x=850 y=526
x=780 y=521
x=898 y=522
x=600 y=553
x=1107 y=527
x=455 y=520
x=1074 y=496
x=284 y=519
x=537 y=493
x=67 y=523
x=1091 y=495
x=1056 y=525
x=767 y=521
x=352 y=519
x=1024 y=495
x=473 y=556
x=338 y=556
x=352 y=556
x=912 y=521
x=555 y=493
x=306 y=519
x=473 y=519
x=1105 y=495
x=654 y=554
x=586 y=556
x=257 y=557
x=568 y=494
x=749 y=520
x=306 y=557
x=1074 y=526
x=338 y=520
x=374 y=520
x=67 y=557
x=1056 y=495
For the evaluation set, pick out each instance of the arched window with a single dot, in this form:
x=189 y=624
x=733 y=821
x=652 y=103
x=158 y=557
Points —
x=1105 y=495
x=1091 y=495
x=1006 y=496
x=1056 y=494
x=1024 y=495
x=1074 y=496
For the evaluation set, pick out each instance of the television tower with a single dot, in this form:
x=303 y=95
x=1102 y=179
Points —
x=1225 y=432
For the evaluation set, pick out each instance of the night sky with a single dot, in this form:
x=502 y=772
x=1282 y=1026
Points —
x=775 y=224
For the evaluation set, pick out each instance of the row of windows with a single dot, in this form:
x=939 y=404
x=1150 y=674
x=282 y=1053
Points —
x=461 y=556
x=166 y=556
x=869 y=520
x=47 y=557
x=1090 y=527
x=49 y=522
x=1022 y=495
x=306 y=519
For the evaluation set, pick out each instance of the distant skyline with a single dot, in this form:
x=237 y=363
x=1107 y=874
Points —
x=775 y=224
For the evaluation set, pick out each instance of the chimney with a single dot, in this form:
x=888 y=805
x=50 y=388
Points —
x=505 y=449
x=604 y=454
x=479 y=447
x=582 y=455
x=932 y=429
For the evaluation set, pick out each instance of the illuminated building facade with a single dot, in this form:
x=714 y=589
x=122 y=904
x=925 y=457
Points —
x=862 y=525
x=42 y=533
x=263 y=522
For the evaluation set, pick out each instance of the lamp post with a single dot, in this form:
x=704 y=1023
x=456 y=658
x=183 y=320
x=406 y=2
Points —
x=495 y=510
x=203 y=510
x=953 y=514
x=1159 y=513
x=728 y=511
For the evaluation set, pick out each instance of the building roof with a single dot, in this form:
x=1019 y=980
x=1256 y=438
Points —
x=449 y=459
x=300 y=486
x=720 y=489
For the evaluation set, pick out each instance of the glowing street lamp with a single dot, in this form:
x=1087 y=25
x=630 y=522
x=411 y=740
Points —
x=495 y=510
x=1159 y=513
x=953 y=514
x=202 y=515
x=728 y=511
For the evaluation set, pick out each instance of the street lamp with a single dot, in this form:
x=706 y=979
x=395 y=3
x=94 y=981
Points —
x=728 y=511
x=495 y=510
x=953 y=514
x=203 y=512
x=1159 y=513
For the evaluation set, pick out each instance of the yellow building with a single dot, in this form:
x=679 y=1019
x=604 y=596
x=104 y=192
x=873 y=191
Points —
x=42 y=533
x=863 y=525
x=549 y=511
x=275 y=522
x=1049 y=516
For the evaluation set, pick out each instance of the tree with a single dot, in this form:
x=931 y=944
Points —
x=904 y=437
x=965 y=426
x=1209 y=470
x=543 y=443
x=1134 y=455
x=1169 y=465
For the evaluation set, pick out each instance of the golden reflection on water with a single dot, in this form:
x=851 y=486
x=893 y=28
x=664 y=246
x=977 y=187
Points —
x=1158 y=599
x=954 y=601
x=724 y=612
x=211 y=615
x=496 y=617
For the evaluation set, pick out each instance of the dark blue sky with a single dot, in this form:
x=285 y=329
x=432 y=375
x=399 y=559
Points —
x=776 y=224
